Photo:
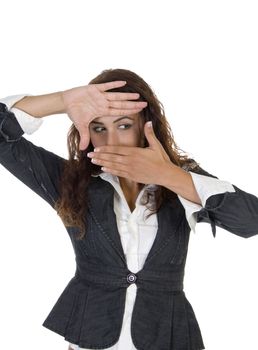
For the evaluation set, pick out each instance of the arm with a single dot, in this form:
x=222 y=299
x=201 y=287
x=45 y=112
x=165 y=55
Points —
x=42 y=105
x=83 y=104
x=36 y=167
x=222 y=204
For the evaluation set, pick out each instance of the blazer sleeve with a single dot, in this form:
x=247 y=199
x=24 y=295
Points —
x=223 y=205
x=36 y=167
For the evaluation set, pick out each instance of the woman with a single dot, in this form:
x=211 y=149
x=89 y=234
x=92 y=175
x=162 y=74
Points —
x=127 y=292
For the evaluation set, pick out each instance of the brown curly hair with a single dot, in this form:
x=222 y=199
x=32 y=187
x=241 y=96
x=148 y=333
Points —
x=77 y=171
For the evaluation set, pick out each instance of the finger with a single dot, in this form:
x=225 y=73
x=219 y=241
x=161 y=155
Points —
x=121 y=96
x=127 y=104
x=117 y=172
x=110 y=85
x=84 y=138
x=108 y=159
x=150 y=136
x=113 y=111
x=118 y=150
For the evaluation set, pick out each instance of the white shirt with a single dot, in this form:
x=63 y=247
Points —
x=137 y=233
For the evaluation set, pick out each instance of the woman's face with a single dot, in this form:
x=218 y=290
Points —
x=117 y=131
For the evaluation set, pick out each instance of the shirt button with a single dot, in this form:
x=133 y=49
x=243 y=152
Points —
x=131 y=278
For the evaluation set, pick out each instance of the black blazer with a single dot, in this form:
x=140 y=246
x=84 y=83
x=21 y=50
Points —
x=89 y=312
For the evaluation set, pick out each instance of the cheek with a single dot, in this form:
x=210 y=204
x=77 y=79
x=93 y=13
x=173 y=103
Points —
x=95 y=140
x=140 y=137
x=131 y=138
x=92 y=138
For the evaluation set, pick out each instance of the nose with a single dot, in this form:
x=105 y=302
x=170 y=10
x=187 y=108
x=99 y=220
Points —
x=112 y=139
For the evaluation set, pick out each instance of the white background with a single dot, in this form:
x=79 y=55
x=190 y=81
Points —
x=200 y=58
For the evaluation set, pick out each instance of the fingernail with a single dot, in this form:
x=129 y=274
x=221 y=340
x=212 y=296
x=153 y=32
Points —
x=149 y=124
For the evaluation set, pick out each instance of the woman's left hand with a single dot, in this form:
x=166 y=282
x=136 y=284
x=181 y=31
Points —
x=142 y=165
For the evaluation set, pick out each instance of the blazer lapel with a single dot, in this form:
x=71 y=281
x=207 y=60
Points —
x=169 y=217
x=101 y=206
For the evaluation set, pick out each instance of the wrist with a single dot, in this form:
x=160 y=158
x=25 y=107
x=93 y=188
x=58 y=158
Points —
x=171 y=176
x=180 y=181
x=42 y=105
x=58 y=102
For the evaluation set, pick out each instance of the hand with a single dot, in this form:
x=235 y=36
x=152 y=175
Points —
x=142 y=165
x=85 y=103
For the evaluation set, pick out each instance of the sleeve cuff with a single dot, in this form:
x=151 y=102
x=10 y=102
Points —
x=190 y=209
x=9 y=101
x=205 y=186
x=28 y=123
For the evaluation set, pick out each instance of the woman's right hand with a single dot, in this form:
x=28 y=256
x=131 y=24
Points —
x=85 y=103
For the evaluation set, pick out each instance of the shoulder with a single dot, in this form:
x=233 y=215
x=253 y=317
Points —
x=190 y=164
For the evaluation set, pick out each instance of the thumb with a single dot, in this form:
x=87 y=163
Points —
x=84 y=139
x=150 y=135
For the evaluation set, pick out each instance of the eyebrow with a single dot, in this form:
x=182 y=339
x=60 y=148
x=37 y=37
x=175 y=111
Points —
x=115 y=121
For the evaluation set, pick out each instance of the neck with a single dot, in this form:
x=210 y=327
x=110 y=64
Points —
x=130 y=185
x=131 y=191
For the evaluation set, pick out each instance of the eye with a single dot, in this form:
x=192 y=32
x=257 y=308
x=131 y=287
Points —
x=127 y=125
x=96 y=128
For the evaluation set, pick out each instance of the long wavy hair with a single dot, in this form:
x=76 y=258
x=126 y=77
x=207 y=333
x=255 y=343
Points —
x=72 y=203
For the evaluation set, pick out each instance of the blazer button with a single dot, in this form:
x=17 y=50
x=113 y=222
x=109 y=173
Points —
x=131 y=278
